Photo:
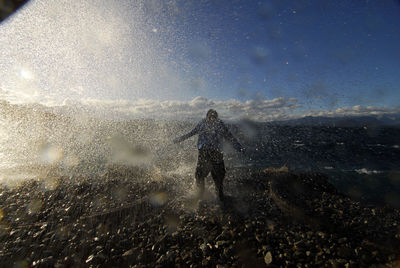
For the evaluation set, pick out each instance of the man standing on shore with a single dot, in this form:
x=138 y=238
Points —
x=211 y=131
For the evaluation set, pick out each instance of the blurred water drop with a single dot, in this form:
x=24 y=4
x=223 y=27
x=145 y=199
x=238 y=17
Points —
x=63 y=232
x=374 y=23
x=102 y=229
x=85 y=137
x=199 y=51
x=198 y=84
x=50 y=154
x=345 y=56
x=242 y=92
x=71 y=160
x=248 y=128
x=259 y=55
x=157 y=174
x=172 y=222
x=99 y=202
x=268 y=258
x=4 y=228
x=124 y=152
x=275 y=32
x=354 y=192
x=20 y=264
x=394 y=178
x=393 y=199
x=270 y=225
x=266 y=10
x=120 y=193
x=1 y=214
x=26 y=74
x=158 y=199
x=191 y=204
x=50 y=184
x=34 y=206
x=227 y=147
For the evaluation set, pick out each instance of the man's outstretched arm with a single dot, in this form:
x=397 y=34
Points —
x=188 y=135
x=228 y=135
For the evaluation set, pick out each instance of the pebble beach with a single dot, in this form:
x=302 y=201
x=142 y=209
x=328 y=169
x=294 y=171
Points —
x=126 y=218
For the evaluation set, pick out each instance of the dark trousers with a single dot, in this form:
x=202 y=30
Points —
x=210 y=161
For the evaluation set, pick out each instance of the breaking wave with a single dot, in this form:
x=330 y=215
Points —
x=35 y=140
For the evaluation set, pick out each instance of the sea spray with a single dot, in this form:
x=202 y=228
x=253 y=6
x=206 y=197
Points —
x=55 y=145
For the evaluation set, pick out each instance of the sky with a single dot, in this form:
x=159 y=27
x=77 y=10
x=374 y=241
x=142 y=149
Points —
x=261 y=60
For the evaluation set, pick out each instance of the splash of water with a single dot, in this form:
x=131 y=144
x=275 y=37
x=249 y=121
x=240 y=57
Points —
x=38 y=143
x=58 y=52
x=56 y=55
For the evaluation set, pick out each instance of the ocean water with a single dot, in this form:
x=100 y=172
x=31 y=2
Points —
x=362 y=162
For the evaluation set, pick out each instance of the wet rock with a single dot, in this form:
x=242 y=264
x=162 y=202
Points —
x=268 y=258
x=129 y=252
x=221 y=243
x=344 y=252
x=224 y=235
x=45 y=262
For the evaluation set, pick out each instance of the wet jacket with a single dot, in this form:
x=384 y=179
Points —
x=211 y=135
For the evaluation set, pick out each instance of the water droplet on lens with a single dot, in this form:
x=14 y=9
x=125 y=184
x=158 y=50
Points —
x=50 y=184
x=158 y=199
x=50 y=154
x=34 y=206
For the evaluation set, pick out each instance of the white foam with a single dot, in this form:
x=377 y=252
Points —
x=367 y=172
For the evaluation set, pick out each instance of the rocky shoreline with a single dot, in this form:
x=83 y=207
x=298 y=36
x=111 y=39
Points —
x=133 y=218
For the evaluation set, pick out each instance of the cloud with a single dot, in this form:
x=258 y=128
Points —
x=356 y=110
x=232 y=109
x=259 y=110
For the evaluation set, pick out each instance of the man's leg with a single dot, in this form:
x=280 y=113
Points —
x=200 y=184
x=202 y=171
x=218 y=174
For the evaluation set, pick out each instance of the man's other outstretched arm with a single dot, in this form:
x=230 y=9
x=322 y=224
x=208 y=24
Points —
x=228 y=136
x=188 y=135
